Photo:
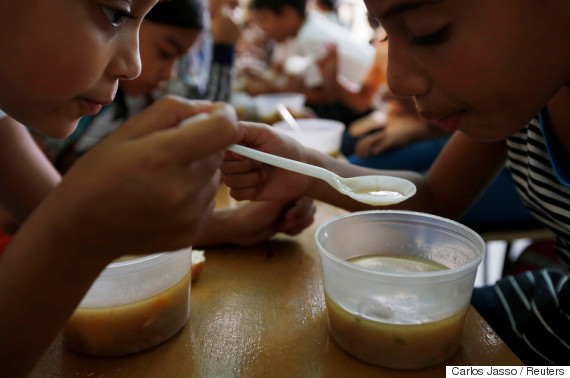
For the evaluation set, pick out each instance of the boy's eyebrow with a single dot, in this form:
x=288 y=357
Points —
x=401 y=8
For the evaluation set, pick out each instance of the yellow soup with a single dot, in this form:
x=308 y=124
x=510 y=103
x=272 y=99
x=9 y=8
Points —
x=400 y=346
x=129 y=328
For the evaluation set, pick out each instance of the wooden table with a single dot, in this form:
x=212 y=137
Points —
x=260 y=312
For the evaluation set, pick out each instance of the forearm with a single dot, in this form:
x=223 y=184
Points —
x=320 y=190
x=29 y=176
x=216 y=230
x=44 y=273
x=452 y=184
x=358 y=100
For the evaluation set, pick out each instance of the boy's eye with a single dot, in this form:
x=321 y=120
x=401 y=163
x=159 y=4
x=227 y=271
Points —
x=430 y=39
x=115 y=16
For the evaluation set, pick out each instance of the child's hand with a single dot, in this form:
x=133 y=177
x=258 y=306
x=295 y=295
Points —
x=298 y=216
x=149 y=186
x=255 y=222
x=252 y=180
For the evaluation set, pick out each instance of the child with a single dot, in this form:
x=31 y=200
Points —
x=169 y=30
x=482 y=69
x=148 y=187
x=298 y=32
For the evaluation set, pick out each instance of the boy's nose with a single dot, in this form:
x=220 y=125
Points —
x=405 y=77
x=127 y=63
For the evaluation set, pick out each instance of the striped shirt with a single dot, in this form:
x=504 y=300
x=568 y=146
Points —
x=535 y=161
x=537 y=304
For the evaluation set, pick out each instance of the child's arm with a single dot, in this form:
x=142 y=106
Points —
x=255 y=222
x=27 y=176
x=458 y=176
x=146 y=188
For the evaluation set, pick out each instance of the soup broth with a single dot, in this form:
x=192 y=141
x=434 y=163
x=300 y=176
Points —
x=394 y=344
x=129 y=328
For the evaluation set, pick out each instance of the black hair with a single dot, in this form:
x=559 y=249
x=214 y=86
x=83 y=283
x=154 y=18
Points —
x=277 y=5
x=328 y=4
x=182 y=13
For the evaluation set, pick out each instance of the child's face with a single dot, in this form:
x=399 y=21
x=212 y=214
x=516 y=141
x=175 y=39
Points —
x=62 y=59
x=161 y=48
x=277 y=26
x=485 y=67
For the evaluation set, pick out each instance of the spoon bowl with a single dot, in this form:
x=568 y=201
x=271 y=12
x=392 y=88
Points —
x=372 y=190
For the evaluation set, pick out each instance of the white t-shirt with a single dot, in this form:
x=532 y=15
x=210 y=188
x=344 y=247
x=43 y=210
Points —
x=354 y=57
x=2 y=114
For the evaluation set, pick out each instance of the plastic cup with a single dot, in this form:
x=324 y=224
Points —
x=324 y=135
x=390 y=318
x=133 y=305
x=266 y=105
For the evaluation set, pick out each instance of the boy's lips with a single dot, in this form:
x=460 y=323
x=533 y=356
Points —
x=448 y=120
x=92 y=107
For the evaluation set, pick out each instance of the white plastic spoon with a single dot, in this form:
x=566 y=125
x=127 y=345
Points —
x=288 y=118
x=373 y=190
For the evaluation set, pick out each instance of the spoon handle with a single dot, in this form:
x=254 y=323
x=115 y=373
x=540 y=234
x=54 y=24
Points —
x=291 y=165
x=288 y=118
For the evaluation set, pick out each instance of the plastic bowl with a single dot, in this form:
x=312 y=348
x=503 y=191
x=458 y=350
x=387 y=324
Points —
x=266 y=105
x=324 y=135
x=391 y=317
x=133 y=305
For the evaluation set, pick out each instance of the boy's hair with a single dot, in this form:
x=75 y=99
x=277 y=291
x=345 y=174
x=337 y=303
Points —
x=181 y=13
x=328 y=4
x=277 y=5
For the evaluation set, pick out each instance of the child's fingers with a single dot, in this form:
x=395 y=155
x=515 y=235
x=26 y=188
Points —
x=239 y=166
x=245 y=180
x=165 y=113
x=199 y=138
x=298 y=217
x=250 y=193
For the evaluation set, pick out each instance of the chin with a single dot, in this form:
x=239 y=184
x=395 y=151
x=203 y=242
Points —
x=58 y=130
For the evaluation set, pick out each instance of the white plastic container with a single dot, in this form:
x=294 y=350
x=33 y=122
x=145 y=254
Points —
x=133 y=305
x=266 y=105
x=324 y=135
x=397 y=318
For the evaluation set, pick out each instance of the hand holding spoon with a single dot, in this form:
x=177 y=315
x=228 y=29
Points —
x=372 y=190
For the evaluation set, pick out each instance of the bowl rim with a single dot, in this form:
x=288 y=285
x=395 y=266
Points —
x=478 y=242
x=333 y=124
x=145 y=262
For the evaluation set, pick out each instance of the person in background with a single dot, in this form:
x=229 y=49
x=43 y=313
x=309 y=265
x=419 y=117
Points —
x=359 y=99
x=206 y=70
x=329 y=8
x=466 y=65
x=297 y=32
x=171 y=28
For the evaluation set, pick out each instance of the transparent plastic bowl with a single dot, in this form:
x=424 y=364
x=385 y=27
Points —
x=266 y=105
x=324 y=135
x=133 y=305
x=403 y=320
